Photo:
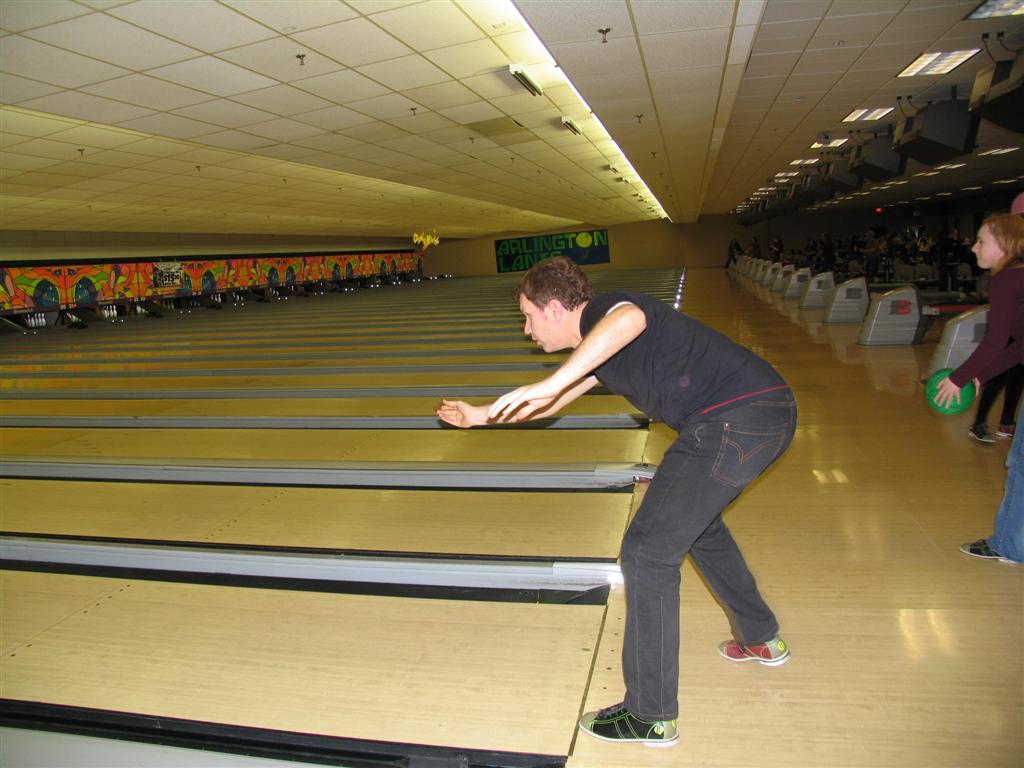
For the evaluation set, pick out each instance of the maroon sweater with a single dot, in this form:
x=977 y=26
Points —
x=1003 y=345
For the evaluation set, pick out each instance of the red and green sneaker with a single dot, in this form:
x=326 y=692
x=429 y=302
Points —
x=771 y=653
x=616 y=723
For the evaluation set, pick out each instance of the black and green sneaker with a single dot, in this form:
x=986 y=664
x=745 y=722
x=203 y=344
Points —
x=616 y=723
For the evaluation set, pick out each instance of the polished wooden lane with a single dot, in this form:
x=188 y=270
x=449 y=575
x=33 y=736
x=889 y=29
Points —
x=520 y=446
x=905 y=651
x=590 y=405
x=519 y=524
x=378 y=668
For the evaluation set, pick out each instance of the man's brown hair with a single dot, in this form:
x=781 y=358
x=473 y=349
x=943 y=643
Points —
x=557 y=278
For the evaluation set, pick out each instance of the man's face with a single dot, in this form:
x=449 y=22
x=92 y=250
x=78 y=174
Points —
x=545 y=325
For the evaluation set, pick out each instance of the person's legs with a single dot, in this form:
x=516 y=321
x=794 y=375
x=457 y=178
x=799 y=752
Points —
x=979 y=429
x=704 y=470
x=1008 y=538
x=1013 y=387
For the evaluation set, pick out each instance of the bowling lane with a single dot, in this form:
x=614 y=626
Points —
x=128 y=365
x=316 y=406
x=308 y=663
x=320 y=445
x=522 y=524
x=399 y=377
x=125 y=348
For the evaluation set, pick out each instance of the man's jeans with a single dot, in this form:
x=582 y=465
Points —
x=714 y=458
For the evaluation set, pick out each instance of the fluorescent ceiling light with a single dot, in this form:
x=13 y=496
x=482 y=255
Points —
x=969 y=189
x=938 y=63
x=876 y=113
x=949 y=166
x=805 y=161
x=999 y=151
x=786 y=174
x=829 y=144
x=927 y=173
x=943 y=194
x=518 y=71
x=991 y=9
x=568 y=123
x=1005 y=181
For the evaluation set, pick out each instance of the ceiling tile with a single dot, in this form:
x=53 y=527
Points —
x=212 y=75
x=387 y=106
x=19 y=15
x=329 y=142
x=282 y=100
x=283 y=129
x=469 y=59
x=288 y=16
x=682 y=49
x=592 y=59
x=115 y=42
x=333 y=118
x=471 y=113
x=14 y=89
x=522 y=47
x=234 y=140
x=447 y=94
x=794 y=10
x=373 y=132
x=431 y=25
x=38 y=61
x=86 y=107
x=210 y=27
x=404 y=73
x=654 y=17
x=279 y=59
x=167 y=125
x=422 y=123
x=575 y=22
x=681 y=81
x=145 y=91
x=354 y=42
x=225 y=113
x=342 y=87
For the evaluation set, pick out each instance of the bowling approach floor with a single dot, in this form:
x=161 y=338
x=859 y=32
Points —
x=905 y=652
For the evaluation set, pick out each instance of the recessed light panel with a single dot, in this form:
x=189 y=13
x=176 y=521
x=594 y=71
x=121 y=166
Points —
x=938 y=63
x=999 y=151
x=876 y=113
x=832 y=144
x=991 y=9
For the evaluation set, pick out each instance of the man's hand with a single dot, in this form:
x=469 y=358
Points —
x=519 y=404
x=461 y=414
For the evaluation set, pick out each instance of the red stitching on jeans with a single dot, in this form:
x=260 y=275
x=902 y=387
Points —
x=743 y=397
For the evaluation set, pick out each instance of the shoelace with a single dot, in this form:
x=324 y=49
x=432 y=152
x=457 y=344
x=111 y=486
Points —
x=612 y=711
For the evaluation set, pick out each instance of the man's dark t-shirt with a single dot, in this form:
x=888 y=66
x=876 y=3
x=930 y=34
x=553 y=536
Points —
x=678 y=367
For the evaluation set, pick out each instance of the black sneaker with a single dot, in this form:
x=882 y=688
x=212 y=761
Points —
x=616 y=723
x=980 y=548
x=980 y=433
x=1005 y=430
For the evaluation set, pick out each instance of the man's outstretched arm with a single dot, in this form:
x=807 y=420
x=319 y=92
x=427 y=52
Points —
x=612 y=333
x=461 y=414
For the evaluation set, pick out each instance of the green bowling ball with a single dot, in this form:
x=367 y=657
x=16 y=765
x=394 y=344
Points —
x=931 y=388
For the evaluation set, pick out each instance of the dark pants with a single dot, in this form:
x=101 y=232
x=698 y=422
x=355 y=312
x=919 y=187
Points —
x=714 y=458
x=1011 y=384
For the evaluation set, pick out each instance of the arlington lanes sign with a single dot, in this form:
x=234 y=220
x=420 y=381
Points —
x=520 y=253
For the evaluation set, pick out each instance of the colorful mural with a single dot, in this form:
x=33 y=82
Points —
x=34 y=288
